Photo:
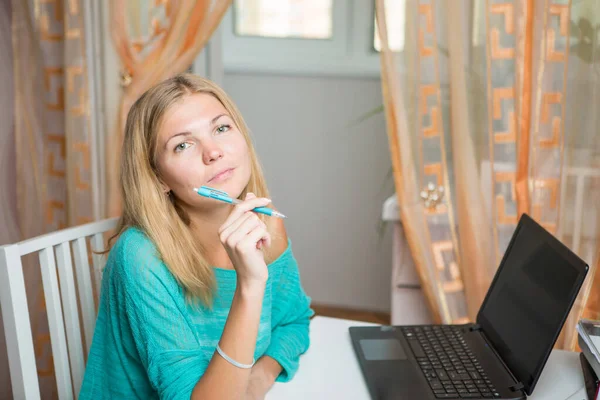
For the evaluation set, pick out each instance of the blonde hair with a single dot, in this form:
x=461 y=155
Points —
x=145 y=205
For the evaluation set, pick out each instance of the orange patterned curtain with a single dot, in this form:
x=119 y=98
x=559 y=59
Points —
x=176 y=31
x=56 y=185
x=489 y=134
x=53 y=140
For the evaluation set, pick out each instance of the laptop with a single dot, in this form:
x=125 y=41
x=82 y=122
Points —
x=502 y=355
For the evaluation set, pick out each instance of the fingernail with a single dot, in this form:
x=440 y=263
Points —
x=268 y=200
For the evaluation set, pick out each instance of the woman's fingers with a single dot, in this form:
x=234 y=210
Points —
x=240 y=209
x=244 y=229
x=253 y=238
x=234 y=226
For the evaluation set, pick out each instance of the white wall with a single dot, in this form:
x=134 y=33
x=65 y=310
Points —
x=311 y=154
x=328 y=175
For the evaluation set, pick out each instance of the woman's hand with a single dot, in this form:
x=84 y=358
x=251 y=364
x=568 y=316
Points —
x=244 y=235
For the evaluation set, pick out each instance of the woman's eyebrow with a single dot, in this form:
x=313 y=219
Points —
x=186 y=133
x=215 y=119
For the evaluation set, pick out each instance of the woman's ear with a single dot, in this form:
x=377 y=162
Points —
x=165 y=188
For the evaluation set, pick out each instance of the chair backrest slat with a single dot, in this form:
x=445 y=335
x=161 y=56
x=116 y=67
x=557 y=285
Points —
x=62 y=305
x=17 y=329
x=66 y=235
x=55 y=324
x=71 y=314
x=98 y=260
x=86 y=294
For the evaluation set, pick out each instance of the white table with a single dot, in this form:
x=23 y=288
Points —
x=330 y=370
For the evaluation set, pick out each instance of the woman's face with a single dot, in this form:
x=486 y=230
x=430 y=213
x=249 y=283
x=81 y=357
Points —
x=199 y=145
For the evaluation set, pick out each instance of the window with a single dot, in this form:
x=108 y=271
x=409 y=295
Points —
x=395 y=22
x=308 y=37
x=306 y=19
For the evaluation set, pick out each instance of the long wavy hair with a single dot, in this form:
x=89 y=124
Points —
x=145 y=205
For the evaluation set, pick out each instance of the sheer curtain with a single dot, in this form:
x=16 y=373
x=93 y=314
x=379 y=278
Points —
x=53 y=177
x=53 y=140
x=489 y=112
x=152 y=46
x=8 y=203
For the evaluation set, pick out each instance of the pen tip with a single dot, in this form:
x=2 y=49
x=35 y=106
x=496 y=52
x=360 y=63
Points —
x=195 y=189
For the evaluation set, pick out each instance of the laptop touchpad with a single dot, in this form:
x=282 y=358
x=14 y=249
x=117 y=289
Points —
x=382 y=349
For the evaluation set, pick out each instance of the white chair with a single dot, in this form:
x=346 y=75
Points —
x=61 y=305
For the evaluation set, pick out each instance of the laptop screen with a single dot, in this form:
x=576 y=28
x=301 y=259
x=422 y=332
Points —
x=529 y=300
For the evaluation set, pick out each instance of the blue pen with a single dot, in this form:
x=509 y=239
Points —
x=223 y=196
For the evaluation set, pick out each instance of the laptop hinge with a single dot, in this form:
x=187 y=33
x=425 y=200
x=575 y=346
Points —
x=517 y=387
x=475 y=328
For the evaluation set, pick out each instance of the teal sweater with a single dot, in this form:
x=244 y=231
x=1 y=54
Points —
x=149 y=343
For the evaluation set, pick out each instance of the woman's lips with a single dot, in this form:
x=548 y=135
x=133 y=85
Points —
x=222 y=176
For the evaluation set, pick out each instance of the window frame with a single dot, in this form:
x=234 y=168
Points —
x=350 y=51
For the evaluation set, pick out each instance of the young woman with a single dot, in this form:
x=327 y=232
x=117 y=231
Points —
x=199 y=299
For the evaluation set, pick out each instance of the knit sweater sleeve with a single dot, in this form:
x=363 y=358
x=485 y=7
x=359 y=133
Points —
x=291 y=311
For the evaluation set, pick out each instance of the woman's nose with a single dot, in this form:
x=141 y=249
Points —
x=212 y=153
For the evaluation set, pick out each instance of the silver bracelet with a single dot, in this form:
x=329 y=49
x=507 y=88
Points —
x=232 y=361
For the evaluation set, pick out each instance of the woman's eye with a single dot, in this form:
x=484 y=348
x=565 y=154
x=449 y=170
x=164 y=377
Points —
x=223 y=128
x=182 y=146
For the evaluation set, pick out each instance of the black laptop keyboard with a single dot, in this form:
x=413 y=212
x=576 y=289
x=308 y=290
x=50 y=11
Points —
x=449 y=365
